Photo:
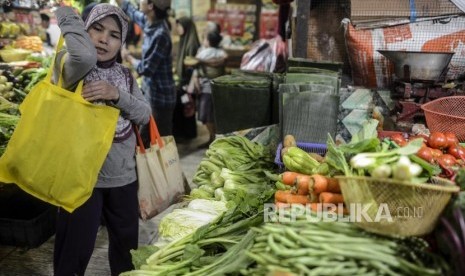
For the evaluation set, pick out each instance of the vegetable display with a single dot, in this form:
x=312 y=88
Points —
x=337 y=248
x=183 y=221
x=15 y=83
x=441 y=150
x=396 y=157
x=298 y=160
x=309 y=190
x=449 y=235
x=214 y=249
x=235 y=170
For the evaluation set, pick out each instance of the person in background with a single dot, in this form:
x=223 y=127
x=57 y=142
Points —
x=90 y=54
x=184 y=119
x=45 y=24
x=211 y=65
x=155 y=65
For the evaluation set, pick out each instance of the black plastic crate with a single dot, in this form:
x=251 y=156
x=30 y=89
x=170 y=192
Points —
x=25 y=221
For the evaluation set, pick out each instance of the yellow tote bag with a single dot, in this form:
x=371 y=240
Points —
x=59 y=144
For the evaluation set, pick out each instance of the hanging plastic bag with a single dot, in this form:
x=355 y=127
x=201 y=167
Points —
x=266 y=55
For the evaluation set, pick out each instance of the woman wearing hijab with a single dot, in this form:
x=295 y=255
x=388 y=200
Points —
x=184 y=120
x=91 y=51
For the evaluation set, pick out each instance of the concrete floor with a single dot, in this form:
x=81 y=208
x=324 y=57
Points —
x=16 y=261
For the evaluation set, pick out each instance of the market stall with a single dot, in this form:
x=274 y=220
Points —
x=371 y=206
x=348 y=189
x=334 y=183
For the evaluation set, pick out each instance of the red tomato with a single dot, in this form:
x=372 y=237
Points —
x=437 y=140
x=436 y=153
x=451 y=139
x=426 y=154
x=447 y=159
x=399 y=139
x=457 y=151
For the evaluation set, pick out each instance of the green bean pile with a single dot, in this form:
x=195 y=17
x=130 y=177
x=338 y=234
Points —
x=337 y=248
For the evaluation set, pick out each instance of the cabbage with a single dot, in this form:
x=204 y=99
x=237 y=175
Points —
x=182 y=222
x=205 y=205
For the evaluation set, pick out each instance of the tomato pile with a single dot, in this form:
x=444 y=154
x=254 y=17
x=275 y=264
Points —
x=441 y=148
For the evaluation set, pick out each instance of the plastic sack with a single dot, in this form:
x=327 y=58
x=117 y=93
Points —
x=371 y=69
x=266 y=55
x=59 y=144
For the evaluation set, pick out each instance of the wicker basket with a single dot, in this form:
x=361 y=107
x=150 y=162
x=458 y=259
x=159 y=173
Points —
x=446 y=114
x=414 y=208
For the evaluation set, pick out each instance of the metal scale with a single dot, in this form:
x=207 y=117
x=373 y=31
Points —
x=420 y=78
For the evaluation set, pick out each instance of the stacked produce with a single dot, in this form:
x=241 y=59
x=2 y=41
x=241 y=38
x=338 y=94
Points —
x=12 y=54
x=336 y=248
x=235 y=170
x=246 y=240
x=30 y=77
x=306 y=179
x=33 y=43
x=9 y=113
x=367 y=155
x=297 y=160
x=8 y=120
x=6 y=88
x=441 y=149
x=15 y=83
x=217 y=248
x=238 y=245
x=9 y=29
x=314 y=190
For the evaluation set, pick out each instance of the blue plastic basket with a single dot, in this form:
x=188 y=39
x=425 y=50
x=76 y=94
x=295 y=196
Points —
x=308 y=147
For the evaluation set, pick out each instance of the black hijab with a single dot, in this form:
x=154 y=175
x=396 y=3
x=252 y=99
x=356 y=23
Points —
x=188 y=45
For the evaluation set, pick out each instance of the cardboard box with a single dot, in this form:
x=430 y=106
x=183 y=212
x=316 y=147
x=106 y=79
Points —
x=371 y=9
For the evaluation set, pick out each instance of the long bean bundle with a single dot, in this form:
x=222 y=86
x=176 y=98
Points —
x=337 y=248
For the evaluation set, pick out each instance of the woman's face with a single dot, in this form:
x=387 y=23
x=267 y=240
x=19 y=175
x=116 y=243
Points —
x=106 y=36
x=145 y=6
x=179 y=29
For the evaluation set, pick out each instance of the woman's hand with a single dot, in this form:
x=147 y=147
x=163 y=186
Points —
x=100 y=90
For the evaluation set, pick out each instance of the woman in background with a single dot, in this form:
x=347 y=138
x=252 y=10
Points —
x=184 y=119
x=212 y=60
x=155 y=65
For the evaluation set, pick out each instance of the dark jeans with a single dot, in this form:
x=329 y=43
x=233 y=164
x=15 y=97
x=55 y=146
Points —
x=76 y=232
x=184 y=125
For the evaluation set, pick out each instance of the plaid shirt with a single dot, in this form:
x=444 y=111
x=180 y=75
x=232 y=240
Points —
x=156 y=63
